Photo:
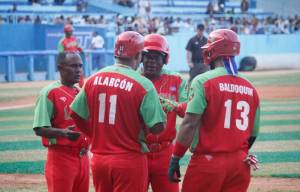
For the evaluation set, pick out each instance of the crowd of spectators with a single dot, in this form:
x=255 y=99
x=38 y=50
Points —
x=168 y=25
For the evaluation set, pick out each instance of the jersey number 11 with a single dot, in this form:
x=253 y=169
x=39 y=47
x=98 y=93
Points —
x=112 y=108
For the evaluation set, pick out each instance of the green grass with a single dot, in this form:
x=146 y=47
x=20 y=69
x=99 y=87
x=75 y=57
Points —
x=295 y=135
x=20 y=145
x=24 y=167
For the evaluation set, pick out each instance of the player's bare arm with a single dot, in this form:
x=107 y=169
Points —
x=187 y=129
x=57 y=132
x=157 y=128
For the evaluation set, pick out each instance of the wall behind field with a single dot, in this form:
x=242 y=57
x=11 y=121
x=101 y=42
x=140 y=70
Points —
x=271 y=51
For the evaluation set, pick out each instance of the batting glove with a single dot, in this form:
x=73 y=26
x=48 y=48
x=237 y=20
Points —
x=168 y=104
x=252 y=161
x=174 y=170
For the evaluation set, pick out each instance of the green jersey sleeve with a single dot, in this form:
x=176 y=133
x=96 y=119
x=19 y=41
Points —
x=197 y=102
x=43 y=112
x=80 y=106
x=151 y=109
x=183 y=89
x=60 y=47
x=256 y=122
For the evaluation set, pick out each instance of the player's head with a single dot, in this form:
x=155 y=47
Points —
x=222 y=44
x=155 y=54
x=128 y=48
x=68 y=29
x=69 y=65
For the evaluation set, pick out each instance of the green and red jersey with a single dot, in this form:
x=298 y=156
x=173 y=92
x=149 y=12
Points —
x=53 y=110
x=117 y=102
x=230 y=112
x=169 y=85
x=69 y=44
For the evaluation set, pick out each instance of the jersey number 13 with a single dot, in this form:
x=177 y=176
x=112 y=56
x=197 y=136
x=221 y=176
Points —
x=241 y=122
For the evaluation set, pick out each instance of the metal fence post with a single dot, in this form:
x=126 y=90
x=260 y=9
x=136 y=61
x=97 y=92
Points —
x=31 y=68
x=11 y=69
x=51 y=68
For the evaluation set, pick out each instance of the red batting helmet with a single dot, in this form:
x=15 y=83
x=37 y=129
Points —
x=156 y=42
x=221 y=42
x=68 y=28
x=128 y=44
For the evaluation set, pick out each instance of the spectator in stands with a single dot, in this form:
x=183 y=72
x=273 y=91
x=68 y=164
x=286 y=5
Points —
x=59 y=2
x=81 y=5
x=97 y=43
x=170 y=3
x=14 y=7
x=126 y=3
x=210 y=8
x=244 y=6
x=194 y=53
x=221 y=5
x=38 y=20
x=144 y=8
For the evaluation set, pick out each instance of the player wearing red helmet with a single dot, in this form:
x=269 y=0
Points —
x=172 y=90
x=113 y=108
x=69 y=44
x=221 y=122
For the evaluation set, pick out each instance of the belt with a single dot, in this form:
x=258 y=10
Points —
x=156 y=147
x=75 y=151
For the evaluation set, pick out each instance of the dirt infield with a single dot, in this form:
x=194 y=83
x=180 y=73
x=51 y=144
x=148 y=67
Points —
x=35 y=183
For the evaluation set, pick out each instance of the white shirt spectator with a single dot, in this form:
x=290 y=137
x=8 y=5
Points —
x=97 y=41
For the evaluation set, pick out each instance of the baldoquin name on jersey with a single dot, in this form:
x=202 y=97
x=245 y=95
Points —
x=113 y=82
x=233 y=88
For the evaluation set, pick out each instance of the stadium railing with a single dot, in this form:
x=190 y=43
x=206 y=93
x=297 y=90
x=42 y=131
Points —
x=11 y=75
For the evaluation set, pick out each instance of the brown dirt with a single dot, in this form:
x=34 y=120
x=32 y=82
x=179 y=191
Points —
x=278 y=92
x=263 y=184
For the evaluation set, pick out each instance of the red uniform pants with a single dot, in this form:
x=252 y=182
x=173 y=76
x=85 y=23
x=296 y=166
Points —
x=66 y=171
x=224 y=172
x=158 y=164
x=119 y=173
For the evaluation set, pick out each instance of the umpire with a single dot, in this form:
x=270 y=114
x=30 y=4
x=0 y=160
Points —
x=194 y=53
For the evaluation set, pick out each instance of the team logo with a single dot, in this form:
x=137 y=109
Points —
x=63 y=99
x=121 y=49
x=191 y=94
x=173 y=88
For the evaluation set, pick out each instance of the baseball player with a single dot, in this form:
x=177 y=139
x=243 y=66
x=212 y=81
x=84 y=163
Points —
x=221 y=122
x=171 y=88
x=69 y=44
x=67 y=165
x=118 y=103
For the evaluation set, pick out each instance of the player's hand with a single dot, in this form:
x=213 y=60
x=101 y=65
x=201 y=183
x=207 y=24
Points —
x=168 y=104
x=191 y=65
x=70 y=134
x=174 y=170
x=252 y=161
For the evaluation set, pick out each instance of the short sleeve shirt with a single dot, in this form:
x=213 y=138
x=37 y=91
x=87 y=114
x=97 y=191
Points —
x=229 y=107
x=52 y=110
x=194 y=46
x=119 y=103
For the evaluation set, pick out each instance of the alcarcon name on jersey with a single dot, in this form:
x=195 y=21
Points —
x=113 y=82
x=233 y=88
